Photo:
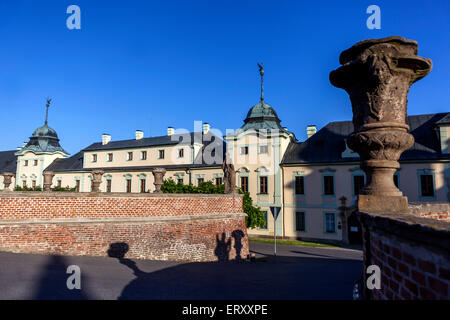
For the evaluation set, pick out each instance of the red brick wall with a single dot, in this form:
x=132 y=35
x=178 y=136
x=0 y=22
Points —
x=161 y=227
x=443 y=216
x=412 y=253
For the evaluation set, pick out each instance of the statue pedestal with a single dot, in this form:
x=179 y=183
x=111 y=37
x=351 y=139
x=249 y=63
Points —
x=382 y=204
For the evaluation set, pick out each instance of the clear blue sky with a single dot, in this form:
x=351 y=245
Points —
x=152 y=64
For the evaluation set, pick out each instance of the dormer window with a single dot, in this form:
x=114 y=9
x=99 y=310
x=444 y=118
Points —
x=94 y=158
x=25 y=163
x=129 y=156
x=35 y=163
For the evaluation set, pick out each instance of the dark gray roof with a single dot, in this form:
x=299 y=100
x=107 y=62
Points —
x=327 y=145
x=43 y=140
x=210 y=142
x=8 y=161
x=187 y=138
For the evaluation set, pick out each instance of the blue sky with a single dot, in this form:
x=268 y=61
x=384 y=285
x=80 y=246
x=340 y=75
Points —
x=152 y=64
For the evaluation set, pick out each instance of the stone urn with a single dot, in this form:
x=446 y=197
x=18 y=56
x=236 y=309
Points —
x=48 y=180
x=96 y=180
x=7 y=180
x=158 y=175
x=377 y=75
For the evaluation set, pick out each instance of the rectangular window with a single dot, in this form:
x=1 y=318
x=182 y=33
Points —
x=77 y=185
x=59 y=183
x=108 y=185
x=142 y=185
x=161 y=154
x=328 y=185
x=24 y=183
x=94 y=158
x=35 y=163
x=25 y=163
x=396 y=180
x=263 y=149
x=110 y=157
x=263 y=185
x=426 y=185
x=244 y=184
x=33 y=183
x=218 y=181
x=358 y=184
x=200 y=181
x=180 y=153
x=180 y=181
x=330 y=224
x=300 y=221
x=143 y=155
x=128 y=185
x=299 y=185
x=244 y=150
x=129 y=156
x=266 y=219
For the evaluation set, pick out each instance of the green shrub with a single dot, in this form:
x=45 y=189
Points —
x=19 y=188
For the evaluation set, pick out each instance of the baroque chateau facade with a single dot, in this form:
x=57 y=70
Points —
x=315 y=181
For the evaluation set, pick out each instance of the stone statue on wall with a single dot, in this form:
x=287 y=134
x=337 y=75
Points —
x=229 y=175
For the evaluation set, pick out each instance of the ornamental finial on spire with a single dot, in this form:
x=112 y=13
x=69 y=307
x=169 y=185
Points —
x=46 y=111
x=261 y=72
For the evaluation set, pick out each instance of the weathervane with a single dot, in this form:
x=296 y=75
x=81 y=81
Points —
x=46 y=111
x=261 y=72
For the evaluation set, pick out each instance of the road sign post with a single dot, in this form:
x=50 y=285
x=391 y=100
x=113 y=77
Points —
x=275 y=210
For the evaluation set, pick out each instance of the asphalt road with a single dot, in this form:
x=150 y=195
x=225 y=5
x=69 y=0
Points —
x=297 y=273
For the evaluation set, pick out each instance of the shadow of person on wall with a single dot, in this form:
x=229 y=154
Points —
x=53 y=283
x=223 y=247
x=238 y=235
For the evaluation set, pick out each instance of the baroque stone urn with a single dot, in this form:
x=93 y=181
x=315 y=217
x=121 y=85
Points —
x=377 y=75
x=158 y=175
x=48 y=180
x=96 y=180
x=7 y=180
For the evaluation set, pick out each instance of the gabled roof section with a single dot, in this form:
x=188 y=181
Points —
x=327 y=145
x=8 y=161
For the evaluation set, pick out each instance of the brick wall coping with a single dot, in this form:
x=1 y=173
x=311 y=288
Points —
x=418 y=208
x=125 y=220
x=410 y=226
x=37 y=194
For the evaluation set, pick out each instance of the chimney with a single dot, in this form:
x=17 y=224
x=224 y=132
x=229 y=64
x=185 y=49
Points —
x=106 y=138
x=139 y=134
x=170 y=131
x=311 y=130
x=206 y=127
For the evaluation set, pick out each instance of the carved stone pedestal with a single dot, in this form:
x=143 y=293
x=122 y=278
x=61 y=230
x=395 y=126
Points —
x=96 y=180
x=377 y=75
x=7 y=180
x=48 y=180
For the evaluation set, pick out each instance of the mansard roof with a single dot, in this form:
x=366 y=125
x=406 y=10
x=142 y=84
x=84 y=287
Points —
x=328 y=144
x=44 y=140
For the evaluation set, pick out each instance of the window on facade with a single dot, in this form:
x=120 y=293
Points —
x=35 y=163
x=263 y=185
x=143 y=155
x=244 y=150
x=266 y=220
x=33 y=183
x=142 y=185
x=426 y=185
x=180 y=153
x=25 y=163
x=300 y=221
x=128 y=185
x=263 y=149
x=328 y=185
x=161 y=154
x=299 y=185
x=180 y=181
x=200 y=180
x=130 y=156
x=94 y=158
x=59 y=183
x=24 y=183
x=330 y=223
x=218 y=181
x=110 y=157
x=396 y=180
x=77 y=185
x=244 y=184
x=108 y=185
x=358 y=184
